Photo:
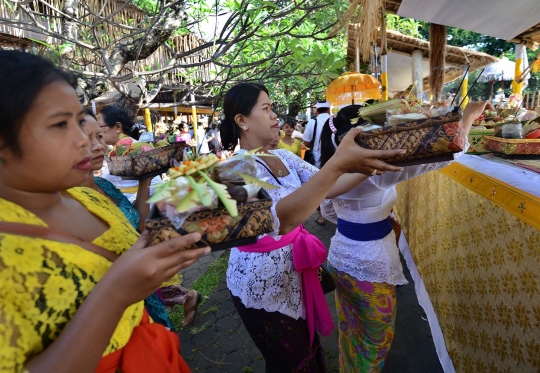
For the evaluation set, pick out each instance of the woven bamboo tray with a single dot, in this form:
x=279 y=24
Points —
x=524 y=147
x=218 y=229
x=145 y=164
x=477 y=142
x=426 y=141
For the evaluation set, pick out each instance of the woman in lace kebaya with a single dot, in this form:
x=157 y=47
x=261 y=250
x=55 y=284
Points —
x=274 y=283
x=73 y=270
x=363 y=258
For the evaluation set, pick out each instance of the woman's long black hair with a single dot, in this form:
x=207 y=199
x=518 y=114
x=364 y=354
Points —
x=22 y=77
x=240 y=99
x=342 y=123
x=113 y=114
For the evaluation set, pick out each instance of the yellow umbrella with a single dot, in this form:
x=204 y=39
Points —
x=353 y=88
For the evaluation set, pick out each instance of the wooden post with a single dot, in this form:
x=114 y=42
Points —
x=533 y=102
x=147 y=120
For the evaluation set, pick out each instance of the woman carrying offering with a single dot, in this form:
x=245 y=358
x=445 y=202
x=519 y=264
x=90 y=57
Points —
x=74 y=272
x=363 y=258
x=274 y=283
x=287 y=142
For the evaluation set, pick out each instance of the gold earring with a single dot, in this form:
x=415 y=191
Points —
x=245 y=128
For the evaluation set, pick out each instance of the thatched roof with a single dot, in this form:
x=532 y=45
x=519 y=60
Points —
x=456 y=58
x=404 y=44
x=122 y=10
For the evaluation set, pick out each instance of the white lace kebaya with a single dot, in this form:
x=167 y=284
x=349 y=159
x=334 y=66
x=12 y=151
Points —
x=371 y=201
x=268 y=280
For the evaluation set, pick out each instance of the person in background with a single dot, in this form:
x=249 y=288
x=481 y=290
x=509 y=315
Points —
x=312 y=135
x=287 y=142
x=169 y=294
x=297 y=133
x=184 y=132
x=115 y=125
x=204 y=137
x=73 y=301
x=363 y=258
x=312 y=141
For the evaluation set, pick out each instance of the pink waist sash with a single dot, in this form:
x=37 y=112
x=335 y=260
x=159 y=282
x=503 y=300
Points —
x=308 y=255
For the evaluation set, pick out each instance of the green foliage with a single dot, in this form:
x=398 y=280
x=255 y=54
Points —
x=282 y=46
x=406 y=26
x=205 y=285
x=148 y=6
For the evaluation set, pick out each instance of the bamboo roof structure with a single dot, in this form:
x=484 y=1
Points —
x=113 y=21
x=456 y=57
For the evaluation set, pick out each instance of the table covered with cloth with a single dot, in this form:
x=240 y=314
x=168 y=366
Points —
x=471 y=238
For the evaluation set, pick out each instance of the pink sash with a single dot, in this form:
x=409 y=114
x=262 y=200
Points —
x=308 y=255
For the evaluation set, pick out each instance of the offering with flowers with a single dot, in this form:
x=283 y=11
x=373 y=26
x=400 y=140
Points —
x=205 y=189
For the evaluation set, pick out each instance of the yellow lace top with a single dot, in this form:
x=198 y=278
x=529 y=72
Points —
x=43 y=282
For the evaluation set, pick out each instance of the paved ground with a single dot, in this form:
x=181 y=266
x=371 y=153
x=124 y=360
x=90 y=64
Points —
x=218 y=342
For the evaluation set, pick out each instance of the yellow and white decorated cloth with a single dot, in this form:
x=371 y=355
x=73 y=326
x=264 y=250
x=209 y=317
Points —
x=475 y=241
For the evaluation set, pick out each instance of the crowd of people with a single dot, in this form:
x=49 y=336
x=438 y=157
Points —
x=82 y=291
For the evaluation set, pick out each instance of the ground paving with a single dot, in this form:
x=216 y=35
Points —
x=218 y=342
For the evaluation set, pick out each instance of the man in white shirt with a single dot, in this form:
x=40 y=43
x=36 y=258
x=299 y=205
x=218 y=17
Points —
x=313 y=140
x=203 y=138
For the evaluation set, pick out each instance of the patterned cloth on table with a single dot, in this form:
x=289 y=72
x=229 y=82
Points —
x=366 y=318
x=153 y=304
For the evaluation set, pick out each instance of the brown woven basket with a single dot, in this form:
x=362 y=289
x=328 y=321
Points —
x=146 y=162
x=218 y=229
x=426 y=141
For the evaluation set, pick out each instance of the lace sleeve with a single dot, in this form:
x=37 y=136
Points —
x=328 y=212
x=304 y=170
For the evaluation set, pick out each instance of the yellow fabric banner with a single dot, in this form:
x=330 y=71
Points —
x=476 y=243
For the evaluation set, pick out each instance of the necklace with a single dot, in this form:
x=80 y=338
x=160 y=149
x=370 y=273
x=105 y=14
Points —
x=277 y=167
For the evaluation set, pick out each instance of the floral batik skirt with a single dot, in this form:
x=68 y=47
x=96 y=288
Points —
x=366 y=317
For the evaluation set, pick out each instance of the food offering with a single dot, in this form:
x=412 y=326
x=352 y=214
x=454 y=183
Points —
x=428 y=134
x=488 y=119
x=225 y=201
x=131 y=159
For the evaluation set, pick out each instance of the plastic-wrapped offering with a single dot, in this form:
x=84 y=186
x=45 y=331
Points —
x=512 y=130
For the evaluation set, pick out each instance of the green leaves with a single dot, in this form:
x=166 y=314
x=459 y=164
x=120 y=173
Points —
x=221 y=191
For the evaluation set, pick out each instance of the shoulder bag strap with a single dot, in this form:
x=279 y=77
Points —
x=314 y=134
x=29 y=230
x=269 y=171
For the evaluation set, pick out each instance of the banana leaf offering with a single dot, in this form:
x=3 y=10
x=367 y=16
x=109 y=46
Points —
x=223 y=200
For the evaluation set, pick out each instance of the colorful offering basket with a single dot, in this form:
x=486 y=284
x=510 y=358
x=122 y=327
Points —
x=146 y=164
x=477 y=142
x=513 y=147
x=426 y=141
x=218 y=229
